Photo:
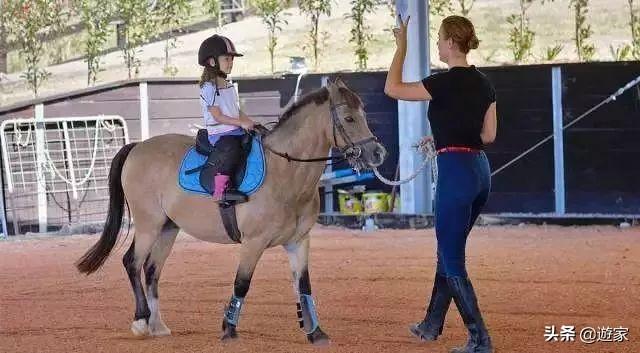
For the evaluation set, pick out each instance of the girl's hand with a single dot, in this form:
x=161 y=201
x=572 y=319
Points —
x=247 y=124
x=400 y=33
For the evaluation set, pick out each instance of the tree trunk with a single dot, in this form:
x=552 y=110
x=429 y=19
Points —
x=4 y=50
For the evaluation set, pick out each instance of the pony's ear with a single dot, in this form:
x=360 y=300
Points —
x=332 y=86
x=339 y=82
x=330 y=83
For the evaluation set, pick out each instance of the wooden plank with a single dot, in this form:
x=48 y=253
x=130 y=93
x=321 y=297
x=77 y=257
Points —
x=175 y=108
x=126 y=109
x=621 y=202
x=267 y=104
x=163 y=91
x=379 y=103
x=173 y=126
x=256 y=104
x=124 y=93
x=163 y=109
x=24 y=113
x=536 y=202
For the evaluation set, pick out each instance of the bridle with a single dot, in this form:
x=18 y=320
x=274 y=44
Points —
x=351 y=150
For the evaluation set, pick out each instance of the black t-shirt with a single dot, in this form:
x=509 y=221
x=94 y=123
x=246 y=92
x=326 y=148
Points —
x=460 y=99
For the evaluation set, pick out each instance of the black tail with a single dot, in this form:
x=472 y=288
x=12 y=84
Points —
x=93 y=259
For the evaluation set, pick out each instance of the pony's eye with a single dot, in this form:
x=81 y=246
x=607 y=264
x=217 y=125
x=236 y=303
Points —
x=349 y=119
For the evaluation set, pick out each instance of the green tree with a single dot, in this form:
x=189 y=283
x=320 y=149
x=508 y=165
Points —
x=360 y=35
x=621 y=52
x=138 y=27
x=634 y=23
x=212 y=7
x=171 y=16
x=4 y=50
x=272 y=14
x=440 y=7
x=95 y=15
x=521 y=36
x=465 y=6
x=30 y=23
x=582 y=30
x=314 y=9
x=552 y=52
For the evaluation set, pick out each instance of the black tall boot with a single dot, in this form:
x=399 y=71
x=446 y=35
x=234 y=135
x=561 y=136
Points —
x=467 y=303
x=431 y=327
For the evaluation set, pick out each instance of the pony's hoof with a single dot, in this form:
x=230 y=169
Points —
x=140 y=328
x=318 y=338
x=159 y=329
x=229 y=335
x=228 y=332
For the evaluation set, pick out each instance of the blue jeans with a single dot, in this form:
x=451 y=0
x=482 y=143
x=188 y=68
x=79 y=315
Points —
x=464 y=181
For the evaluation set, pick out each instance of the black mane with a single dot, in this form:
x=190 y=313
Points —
x=318 y=97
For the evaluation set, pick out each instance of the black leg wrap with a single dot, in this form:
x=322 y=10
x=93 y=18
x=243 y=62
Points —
x=304 y=284
x=241 y=287
x=142 y=309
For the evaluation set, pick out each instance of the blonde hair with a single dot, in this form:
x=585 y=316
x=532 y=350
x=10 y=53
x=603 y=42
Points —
x=209 y=74
x=461 y=31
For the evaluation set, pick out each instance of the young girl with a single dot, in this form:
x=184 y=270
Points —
x=225 y=122
x=462 y=113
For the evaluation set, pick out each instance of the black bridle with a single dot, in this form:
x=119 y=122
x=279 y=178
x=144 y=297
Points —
x=351 y=150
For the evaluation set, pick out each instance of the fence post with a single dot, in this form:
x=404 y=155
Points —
x=144 y=111
x=41 y=159
x=558 y=139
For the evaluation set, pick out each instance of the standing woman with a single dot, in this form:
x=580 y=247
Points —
x=462 y=114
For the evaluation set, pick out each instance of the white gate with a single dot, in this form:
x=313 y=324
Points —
x=55 y=170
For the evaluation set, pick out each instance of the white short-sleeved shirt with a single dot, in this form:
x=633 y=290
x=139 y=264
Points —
x=226 y=99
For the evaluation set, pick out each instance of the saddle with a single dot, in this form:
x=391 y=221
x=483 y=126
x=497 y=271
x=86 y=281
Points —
x=202 y=162
x=216 y=158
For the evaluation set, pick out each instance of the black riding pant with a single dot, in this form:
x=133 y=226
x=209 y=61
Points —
x=227 y=152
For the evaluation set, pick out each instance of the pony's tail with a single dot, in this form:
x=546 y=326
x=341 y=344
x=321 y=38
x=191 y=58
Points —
x=93 y=259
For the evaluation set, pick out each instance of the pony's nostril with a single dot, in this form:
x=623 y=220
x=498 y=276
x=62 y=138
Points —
x=380 y=153
x=377 y=159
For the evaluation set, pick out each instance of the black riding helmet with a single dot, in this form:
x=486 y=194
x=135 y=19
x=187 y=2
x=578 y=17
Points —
x=215 y=46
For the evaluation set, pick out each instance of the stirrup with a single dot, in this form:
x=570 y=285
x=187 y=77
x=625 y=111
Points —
x=233 y=196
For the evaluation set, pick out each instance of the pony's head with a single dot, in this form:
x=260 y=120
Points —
x=349 y=131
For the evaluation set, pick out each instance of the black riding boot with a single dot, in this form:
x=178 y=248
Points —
x=431 y=327
x=467 y=303
x=223 y=192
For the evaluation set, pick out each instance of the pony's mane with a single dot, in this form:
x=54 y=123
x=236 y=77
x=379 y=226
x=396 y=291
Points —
x=318 y=97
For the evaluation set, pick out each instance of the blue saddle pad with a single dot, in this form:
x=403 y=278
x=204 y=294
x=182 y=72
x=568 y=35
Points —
x=253 y=176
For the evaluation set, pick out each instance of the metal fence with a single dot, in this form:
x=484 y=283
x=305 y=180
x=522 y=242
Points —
x=56 y=170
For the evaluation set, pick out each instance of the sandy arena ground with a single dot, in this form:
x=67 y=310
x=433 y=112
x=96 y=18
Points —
x=368 y=286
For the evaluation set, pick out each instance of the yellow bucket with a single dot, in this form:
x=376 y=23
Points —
x=396 y=205
x=375 y=202
x=349 y=204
